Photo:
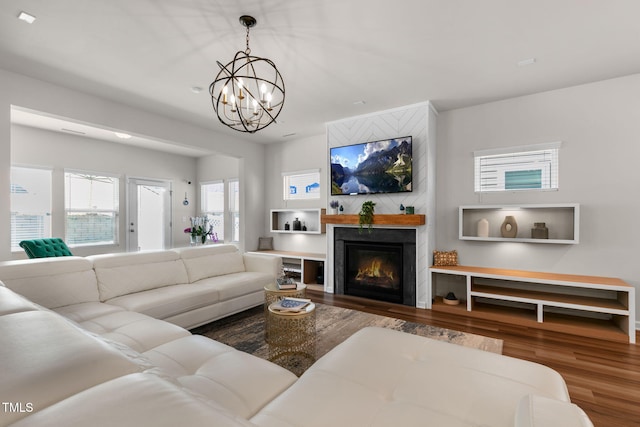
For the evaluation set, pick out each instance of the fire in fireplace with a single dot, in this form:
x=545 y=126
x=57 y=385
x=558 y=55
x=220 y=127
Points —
x=374 y=270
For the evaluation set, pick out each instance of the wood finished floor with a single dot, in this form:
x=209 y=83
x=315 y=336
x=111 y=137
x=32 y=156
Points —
x=603 y=377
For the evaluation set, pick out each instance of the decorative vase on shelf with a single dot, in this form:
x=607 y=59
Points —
x=194 y=240
x=483 y=228
x=287 y=226
x=333 y=211
x=297 y=226
x=509 y=227
x=539 y=231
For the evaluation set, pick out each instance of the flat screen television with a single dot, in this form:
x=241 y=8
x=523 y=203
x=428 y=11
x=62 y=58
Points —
x=372 y=167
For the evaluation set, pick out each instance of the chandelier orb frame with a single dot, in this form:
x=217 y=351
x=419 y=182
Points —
x=248 y=93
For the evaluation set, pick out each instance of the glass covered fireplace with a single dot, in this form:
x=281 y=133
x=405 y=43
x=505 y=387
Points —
x=374 y=270
x=379 y=264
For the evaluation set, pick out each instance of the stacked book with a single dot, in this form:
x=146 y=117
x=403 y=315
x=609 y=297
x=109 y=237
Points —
x=294 y=305
x=286 y=283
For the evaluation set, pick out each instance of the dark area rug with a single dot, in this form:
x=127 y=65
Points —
x=245 y=331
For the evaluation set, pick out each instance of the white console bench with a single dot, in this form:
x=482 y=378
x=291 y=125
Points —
x=602 y=307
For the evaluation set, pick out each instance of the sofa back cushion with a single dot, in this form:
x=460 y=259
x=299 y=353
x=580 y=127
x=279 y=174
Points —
x=127 y=273
x=210 y=261
x=52 y=282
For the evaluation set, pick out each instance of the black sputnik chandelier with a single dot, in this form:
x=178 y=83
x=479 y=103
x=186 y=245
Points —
x=248 y=92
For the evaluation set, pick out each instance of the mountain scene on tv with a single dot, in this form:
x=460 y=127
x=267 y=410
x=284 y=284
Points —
x=372 y=167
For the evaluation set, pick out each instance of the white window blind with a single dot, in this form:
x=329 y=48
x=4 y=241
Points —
x=30 y=204
x=91 y=208
x=213 y=202
x=532 y=167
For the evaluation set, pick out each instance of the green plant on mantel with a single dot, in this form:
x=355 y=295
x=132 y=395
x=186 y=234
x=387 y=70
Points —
x=366 y=215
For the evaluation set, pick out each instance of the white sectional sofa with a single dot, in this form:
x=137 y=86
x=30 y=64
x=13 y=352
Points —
x=100 y=341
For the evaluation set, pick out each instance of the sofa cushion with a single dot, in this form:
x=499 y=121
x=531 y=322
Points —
x=233 y=285
x=380 y=377
x=127 y=273
x=52 y=282
x=238 y=381
x=134 y=400
x=10 y=302
x=210 y=261
x=538 y=411
x=168 y=301
x=45 y=359
x=87 y=310
x=135 y=330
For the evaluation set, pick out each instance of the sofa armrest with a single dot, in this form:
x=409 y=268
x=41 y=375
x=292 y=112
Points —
x=263 y=263
x=538 y=411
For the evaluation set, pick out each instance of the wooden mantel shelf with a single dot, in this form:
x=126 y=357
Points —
x=378 y=219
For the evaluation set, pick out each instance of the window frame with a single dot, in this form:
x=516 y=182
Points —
x=46 y=223
x=115 y=211
x=298 y=179
x=548 y=155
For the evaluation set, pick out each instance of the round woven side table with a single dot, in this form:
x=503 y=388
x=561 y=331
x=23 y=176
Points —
x=292 y=338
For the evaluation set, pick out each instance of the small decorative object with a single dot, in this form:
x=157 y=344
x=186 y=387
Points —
x=287 y=227
x=450 y=299
x=509 y=227
x=185 y=201
x=483 y=228
x=341 y=210
x=297 y=225
x=441 y=258
x=366 y=215
x=401 y=208
x=304 y=226
x=409 y=210
x=265 y=243
x=334 y=206
x=539 y=231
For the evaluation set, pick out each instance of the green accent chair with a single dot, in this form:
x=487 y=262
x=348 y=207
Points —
x=43 y=248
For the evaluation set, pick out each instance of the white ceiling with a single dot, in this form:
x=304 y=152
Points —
x=331 y=53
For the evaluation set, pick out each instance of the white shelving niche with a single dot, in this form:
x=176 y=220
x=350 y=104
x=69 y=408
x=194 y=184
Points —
x=309 y=217
x=562 y=220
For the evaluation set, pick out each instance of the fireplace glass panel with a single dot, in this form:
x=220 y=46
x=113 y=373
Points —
x=374 y=270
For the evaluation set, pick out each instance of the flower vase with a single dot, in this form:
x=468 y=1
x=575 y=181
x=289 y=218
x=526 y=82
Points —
x=194 y=240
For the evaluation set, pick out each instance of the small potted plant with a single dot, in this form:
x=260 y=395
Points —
x=366 y=215
x=334 y=206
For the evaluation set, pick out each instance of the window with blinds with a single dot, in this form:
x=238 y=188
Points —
x=91 y=209
x=301 y=185
x=30 y=204
x=518 y=168
x=212 y=203
x=234 y=208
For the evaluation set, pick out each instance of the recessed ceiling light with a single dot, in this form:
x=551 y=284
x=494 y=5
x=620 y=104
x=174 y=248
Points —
x=122 y=135
x=196 y=89
x=361 y=102
x=525 y=62
x=289 y=134
x=26 y=17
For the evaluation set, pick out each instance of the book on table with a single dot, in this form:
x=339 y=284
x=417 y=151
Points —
x=286 y=283
x=288 y=304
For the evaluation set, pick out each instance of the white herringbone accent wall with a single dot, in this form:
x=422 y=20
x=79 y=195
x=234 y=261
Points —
x=417 y=121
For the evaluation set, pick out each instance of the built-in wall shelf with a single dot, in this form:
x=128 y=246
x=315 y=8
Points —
x=378 y=219
x=309 y=220
x=304 y=267
x=594 y=306
x=561 y=220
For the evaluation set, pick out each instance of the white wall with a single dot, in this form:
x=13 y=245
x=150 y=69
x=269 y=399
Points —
x=57 y=151
x=295 y=155
x=599 y=126
x=59 y=101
